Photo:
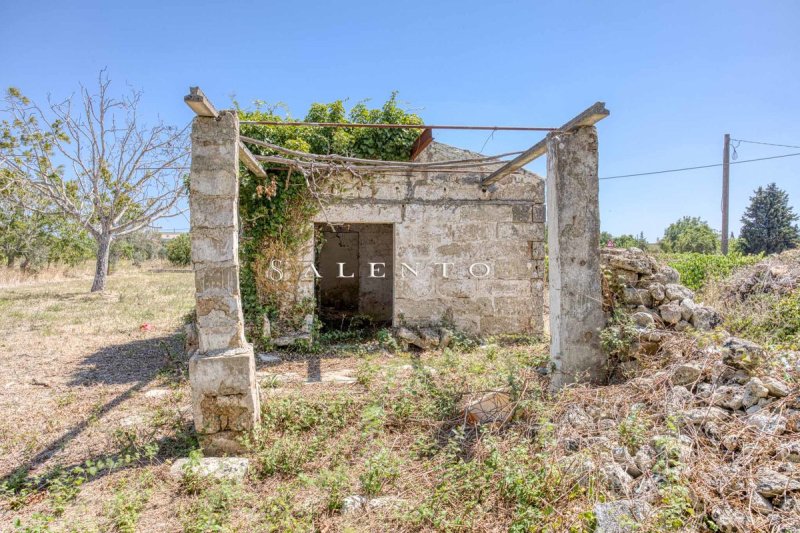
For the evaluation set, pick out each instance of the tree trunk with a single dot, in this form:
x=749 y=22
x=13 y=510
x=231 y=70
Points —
x=101 y=270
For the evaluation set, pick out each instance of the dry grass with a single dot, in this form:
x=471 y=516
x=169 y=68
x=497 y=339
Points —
x=74 y=380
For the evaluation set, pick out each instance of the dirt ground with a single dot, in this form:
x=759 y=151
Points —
x=78 y=370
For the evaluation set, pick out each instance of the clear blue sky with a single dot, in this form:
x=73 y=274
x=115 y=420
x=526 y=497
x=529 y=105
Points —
x=676 y=76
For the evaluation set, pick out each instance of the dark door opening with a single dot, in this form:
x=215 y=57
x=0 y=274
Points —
x=357 y=268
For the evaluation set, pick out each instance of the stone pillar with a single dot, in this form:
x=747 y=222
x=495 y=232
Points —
x=573 y=234
x=225 y=401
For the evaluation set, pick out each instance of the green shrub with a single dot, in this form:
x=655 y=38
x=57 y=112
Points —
x=767 y=319
x=697 y=269
x=690 y=234
x=179 y=250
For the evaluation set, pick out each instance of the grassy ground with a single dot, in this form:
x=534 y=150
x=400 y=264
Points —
x=96 y=408
x=95 y=404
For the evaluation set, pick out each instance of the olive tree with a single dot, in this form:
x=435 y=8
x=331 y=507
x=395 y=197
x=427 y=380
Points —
x=93 y=160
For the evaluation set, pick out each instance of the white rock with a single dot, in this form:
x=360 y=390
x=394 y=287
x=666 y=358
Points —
x=617 y=478
x=775 y=387
x=701 y=414
x=621 y=516
x=645 y=458
x=687 y=309
x=353 y=503
x=675 y=292
x=770 y=424
x=760 y=504
x=789 y=451
x=670 y=313
x=269 y=358
x=157 y=393
x=770 y=483
x=728 y=396
x=729 y=520
x=223 y=468
x=686 y=373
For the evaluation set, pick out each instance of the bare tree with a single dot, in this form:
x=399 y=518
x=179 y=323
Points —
x=93 y=161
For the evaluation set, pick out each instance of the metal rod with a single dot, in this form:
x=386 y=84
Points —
x=393 y=126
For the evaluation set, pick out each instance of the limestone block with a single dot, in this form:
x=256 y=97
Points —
x=488 y=213
x=213 y=211
x=214 y=245
x=225 y=396
x=538 y=214
x=522 y=213
x=516 y=230
x=212 y=277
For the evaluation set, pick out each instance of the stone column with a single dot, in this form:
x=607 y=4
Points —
x=573 y=234
x=225 y=401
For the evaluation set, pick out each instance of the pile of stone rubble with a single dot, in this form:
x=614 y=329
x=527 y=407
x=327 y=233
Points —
x=652 y=293
x=724 y=425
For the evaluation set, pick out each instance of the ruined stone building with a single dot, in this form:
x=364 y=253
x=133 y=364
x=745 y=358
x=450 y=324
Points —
x=430 y=248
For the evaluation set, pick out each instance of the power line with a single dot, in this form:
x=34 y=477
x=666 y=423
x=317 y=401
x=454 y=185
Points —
x=766 y=144
x=698 y=167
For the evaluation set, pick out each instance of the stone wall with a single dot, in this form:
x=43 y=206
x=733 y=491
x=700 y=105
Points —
x=651 y=292
x=441 y=217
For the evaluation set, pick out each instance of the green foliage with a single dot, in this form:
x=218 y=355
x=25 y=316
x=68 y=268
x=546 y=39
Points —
x=690 y=234
x=769 y=222
x=632 y=430
x=697 y=269
x=128 y=503
x=623 y=241
x=276 y=212
x=618 y=336
x=37 y=236
x=769 y=319
x=380 y=470
x=212 y=510
x=179 y=250
x=137 y=247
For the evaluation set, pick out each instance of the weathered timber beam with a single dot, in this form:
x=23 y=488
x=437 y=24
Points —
x=203 y=107
x=250 y=161
x=589 y=117
x=199 y=103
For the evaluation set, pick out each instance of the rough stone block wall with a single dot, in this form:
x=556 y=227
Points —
x=446 y=220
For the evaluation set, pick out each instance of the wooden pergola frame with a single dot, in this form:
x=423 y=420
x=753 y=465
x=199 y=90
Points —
x=203 y=107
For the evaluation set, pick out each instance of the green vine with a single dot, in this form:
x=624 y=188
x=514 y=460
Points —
x=276 y=212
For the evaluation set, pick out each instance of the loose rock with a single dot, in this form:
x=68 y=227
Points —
x=222 y=468
x=621 y=516
x=770 y=483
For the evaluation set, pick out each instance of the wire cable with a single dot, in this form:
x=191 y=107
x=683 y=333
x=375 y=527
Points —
x=697 y=167
x=766 y=144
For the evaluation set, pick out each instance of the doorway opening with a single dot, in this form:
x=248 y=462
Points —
x=356 y=262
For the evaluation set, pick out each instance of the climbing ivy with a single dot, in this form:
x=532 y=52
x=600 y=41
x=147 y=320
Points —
x=275 y=212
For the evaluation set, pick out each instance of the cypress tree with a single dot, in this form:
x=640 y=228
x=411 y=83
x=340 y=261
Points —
x=768 y=223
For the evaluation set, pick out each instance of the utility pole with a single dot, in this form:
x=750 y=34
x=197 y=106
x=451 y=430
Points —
x=726 y=174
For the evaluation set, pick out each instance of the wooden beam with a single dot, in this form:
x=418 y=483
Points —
x=589 y=117
x=199 y=103
x=250 y=161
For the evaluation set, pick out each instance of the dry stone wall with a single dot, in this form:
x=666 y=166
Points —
x=652 y=292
